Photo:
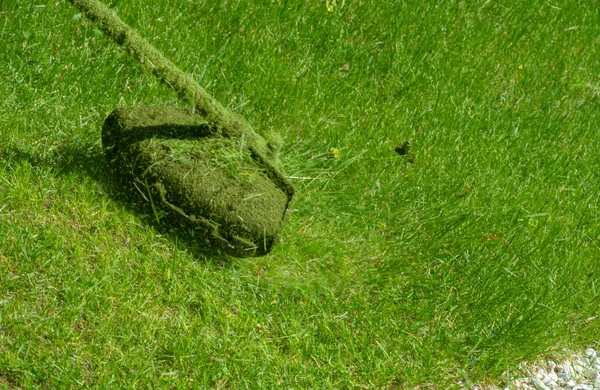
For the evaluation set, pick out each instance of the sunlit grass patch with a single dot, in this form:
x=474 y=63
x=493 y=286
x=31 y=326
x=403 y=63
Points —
x=454 y=266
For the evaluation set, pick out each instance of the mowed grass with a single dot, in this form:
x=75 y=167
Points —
x=481 y=253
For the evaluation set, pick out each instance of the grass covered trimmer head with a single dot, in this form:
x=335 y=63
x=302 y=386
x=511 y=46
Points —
x=202 y=168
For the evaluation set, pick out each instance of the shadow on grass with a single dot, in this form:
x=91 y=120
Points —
x=89 y=160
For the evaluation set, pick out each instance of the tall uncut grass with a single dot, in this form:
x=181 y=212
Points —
x=479 y=254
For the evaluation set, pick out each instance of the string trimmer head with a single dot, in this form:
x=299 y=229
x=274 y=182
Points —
x=201 y=167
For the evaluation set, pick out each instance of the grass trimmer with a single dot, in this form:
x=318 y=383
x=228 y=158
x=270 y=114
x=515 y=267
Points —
x=203 y=167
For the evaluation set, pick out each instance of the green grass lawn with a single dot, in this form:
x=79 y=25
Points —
x=390 y=273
